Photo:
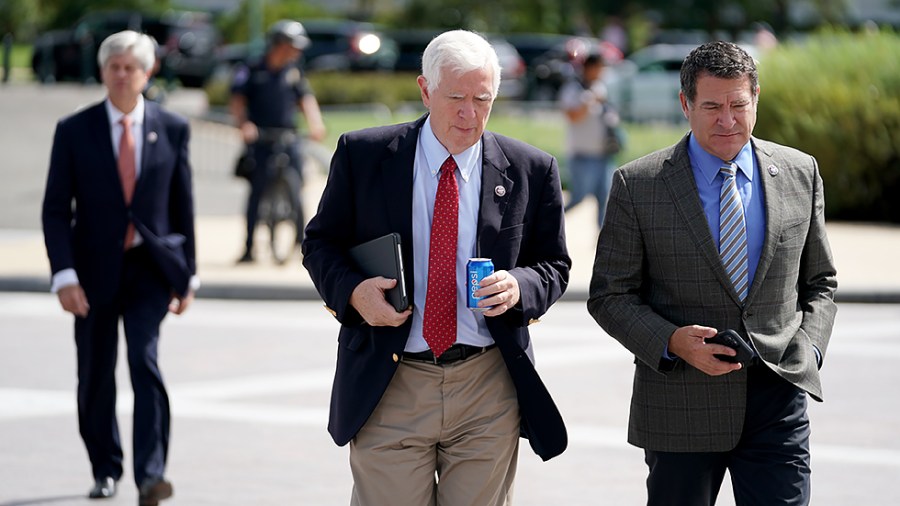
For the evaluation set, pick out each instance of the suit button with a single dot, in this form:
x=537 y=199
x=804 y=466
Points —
x=747 y=314
x=396 y=357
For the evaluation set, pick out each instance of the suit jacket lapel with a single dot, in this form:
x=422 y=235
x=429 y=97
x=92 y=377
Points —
x=493 y=199
x=397 y=186
x=679 y=179
x=108 y=166
x=151 y=131
x=773 y=197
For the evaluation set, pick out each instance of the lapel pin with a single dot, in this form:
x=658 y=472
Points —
x=499 y=191
x=151 y=137
x=773 y=170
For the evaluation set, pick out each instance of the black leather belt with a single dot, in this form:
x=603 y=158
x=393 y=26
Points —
x=453 y=354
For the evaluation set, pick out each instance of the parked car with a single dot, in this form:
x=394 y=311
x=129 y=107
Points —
x=187 y=42
x=411 y=43
x=533 y=45
x=347 y=45
x=551 y=69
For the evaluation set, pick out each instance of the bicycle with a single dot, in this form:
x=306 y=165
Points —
x=280 y=209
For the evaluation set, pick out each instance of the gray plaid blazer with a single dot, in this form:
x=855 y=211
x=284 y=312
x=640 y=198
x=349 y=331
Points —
x=657 y=269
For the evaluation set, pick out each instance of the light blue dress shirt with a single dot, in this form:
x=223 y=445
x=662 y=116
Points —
x=430 y=155
x=709 y=184
x=749 y=185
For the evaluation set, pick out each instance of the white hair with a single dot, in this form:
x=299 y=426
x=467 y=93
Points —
x=141 y=46
x=459 y=51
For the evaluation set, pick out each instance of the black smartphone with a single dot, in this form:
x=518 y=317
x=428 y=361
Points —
x=731 y=339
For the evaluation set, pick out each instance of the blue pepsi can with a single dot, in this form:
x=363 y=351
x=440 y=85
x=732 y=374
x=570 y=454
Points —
x=476 y=270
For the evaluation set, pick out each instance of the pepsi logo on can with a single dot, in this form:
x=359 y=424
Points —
x=476 y=270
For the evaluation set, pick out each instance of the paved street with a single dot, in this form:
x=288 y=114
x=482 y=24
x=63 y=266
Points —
x=249 y=383
x=249 y=380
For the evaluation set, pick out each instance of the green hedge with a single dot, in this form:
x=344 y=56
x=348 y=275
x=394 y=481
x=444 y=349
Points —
x=342 y=88
x=836 y=95
x=388 y=88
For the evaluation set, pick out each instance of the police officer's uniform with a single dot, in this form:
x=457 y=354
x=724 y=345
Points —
x=272 y=98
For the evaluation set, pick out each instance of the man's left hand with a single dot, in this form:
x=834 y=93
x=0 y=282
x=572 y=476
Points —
x=179 y=305
x=501 y=292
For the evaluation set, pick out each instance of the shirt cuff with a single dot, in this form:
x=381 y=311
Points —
x=194 y=283
x=62 y=279
x=666 y=355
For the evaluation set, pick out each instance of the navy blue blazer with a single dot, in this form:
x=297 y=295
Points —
x=369 y=194
x=84 y=212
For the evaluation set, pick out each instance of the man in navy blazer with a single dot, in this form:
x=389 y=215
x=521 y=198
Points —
x=410 y=412
x=121 y=251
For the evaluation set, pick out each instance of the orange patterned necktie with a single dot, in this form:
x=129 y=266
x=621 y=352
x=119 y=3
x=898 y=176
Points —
x=127 y=172
x=439 y=321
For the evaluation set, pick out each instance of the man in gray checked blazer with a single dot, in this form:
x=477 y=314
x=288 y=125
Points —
x=661 y=288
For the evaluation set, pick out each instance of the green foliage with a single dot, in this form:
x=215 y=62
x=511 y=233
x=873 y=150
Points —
x=837 y=97
x=63 y=13
x=18 y=17
x=388 y=88
x=235 y=26
x=339 y=88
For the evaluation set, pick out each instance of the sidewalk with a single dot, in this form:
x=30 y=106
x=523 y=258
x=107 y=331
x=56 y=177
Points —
x=861 y=252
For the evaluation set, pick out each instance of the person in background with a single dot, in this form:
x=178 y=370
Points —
x=720 y=231
x=585 y=105
x=432 y=399
x=265 y=98
x=118 y=219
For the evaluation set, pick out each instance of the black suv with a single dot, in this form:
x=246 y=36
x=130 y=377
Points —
x=347 y=45
x=187 y=44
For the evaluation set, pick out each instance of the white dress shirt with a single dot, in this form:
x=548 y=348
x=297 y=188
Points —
x=430 y=155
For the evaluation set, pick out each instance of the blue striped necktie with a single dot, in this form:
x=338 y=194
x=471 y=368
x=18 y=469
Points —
x=733 y=232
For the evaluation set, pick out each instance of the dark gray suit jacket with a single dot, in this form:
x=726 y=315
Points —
x=657 y=269
x=369 y=194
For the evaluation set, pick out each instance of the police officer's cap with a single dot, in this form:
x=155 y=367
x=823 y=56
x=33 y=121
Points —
x=288 y=31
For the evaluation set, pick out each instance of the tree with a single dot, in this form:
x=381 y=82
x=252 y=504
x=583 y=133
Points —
x=62 y=13
x=18 y=17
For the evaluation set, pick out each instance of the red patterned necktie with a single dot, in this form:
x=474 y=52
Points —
x=439 y=321
x=127 y=171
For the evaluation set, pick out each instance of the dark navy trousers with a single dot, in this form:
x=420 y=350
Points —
x=770 y=465
x=141 y=304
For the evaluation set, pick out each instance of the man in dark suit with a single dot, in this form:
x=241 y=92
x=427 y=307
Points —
x=720 y=231
x=438 y=389
x=119 y=229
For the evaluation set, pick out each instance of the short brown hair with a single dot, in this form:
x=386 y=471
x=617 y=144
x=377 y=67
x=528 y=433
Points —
x=720 y=59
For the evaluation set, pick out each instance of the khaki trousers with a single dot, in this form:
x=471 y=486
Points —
x=441 y=435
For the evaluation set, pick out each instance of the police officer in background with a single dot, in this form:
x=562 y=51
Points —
x=265 y=96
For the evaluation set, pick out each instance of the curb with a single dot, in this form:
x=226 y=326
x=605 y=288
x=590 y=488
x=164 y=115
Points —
x=250 y=291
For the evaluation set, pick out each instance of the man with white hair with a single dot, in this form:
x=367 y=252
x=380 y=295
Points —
x=119 y=229
x=433 y=398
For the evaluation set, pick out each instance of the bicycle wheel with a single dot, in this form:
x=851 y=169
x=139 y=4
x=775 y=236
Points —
x=281 y=221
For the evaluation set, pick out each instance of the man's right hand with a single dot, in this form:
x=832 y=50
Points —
x=74 y=300
x=249 y=132
x=689 y=343
x=368 y=300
